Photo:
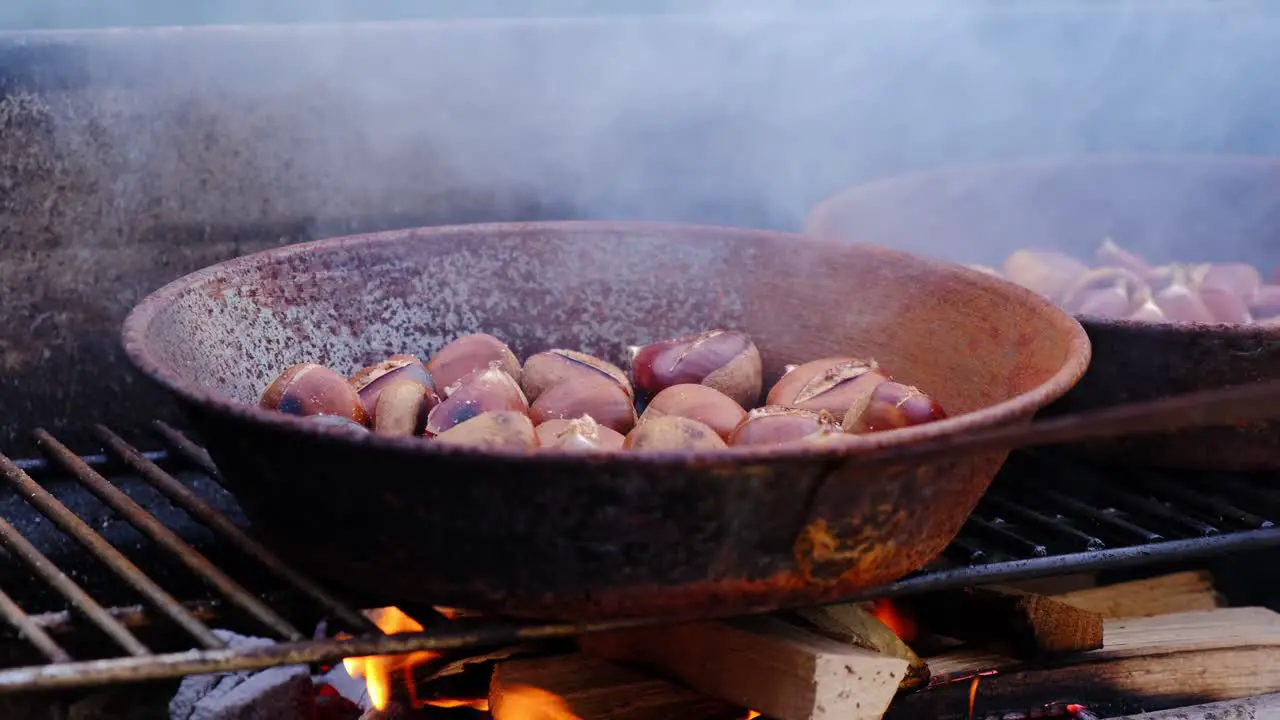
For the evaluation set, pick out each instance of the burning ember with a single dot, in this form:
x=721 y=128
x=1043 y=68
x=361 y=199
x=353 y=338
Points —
x=902 y=625
x=529 y=703
x=377 y=671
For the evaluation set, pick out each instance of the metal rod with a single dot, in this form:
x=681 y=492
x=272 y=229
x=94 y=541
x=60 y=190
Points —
x=197 y=563
x=50 y=507
x=19 y=546
x=183 y=497
x=199 y=662
x=188 y=449
x=31 y=632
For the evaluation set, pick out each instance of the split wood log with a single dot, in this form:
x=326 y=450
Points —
x=1260 y=707
x=1167 y=661
x=853 y=624
x=1007 y=620
x=578 y=687
x=763 y=663
x=1163 y=595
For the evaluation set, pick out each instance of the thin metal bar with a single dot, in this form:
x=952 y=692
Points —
x=36 y=466
x=22 y=548
x=1053 y=525
x=1002 y=534
x=1155 y=510
x=197 y=563
x=50 y=507
x=1102 y=518
x=1199 y=502
x=183 y=497
x=30 y=631
x=188 y=449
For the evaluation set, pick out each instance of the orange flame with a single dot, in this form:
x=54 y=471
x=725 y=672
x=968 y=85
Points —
x=522 y=702
x=751 y=715
x=902 y=625
x=973 y=694
x=377 y=670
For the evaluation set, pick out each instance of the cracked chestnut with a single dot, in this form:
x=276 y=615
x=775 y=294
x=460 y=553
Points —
x=698 y=402
x=337 y=422
x=582 y=434
x=494 y=429
x=672 y=432
x=828 y=384
x=553 y=367
x=370 y=381
x=892 y=405
x=311 y=389
x=595 y=395
x=403 y=407
x=468 y=354
x=1266 y=303
x=726 y=360
x=488 y=389
x=774 y=425
x=1047 y=272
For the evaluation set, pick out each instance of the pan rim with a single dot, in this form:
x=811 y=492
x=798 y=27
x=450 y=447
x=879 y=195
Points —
x=819 y=221
x=135 y=329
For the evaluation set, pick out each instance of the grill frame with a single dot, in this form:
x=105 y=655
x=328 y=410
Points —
x=1063 y=506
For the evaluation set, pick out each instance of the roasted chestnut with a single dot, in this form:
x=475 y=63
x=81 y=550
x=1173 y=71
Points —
x=1239 y=279
x=1148 y=311
x=403 y=407
x=337 y=422
x=1047 y=272
x=488 y=389
x=672 y=432
x=553 y=367
x=1180 y=303
x=829 y=384
x=596 y=395
x=726 y=360
x=698 y=402
x=311 y=389
x=1225 y=306
x=1106 y=292
x=774 y=425
x=1109 y=253
x=891 y=405
x=370 y=381
x=583 y=434
x=1266 y=303
x=467 y=354
x=493 y=429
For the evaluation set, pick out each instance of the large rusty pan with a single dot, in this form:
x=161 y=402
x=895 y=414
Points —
x=550 y=535
x=1169 y=209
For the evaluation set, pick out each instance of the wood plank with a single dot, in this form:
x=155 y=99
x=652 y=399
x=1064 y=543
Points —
x=1163 y=595
x=764 y=664
x=578 y=687
x=1168 y=661
x=1021 y=623
x=1259 y=707
x=854 y=625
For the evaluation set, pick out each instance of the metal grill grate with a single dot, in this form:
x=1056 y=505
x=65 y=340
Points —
x=1045 y=515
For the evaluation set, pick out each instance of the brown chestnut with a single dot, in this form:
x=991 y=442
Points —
x=892 y=405
x=1109 y=253
x=579 y=435
x=493 y=429
x=403 y=407
x=485 y=390
x=468 y=354
x=726 y=360
x=595 y=395
x=698 y=402
x=1148 y=311
x=1180 y=303
x=1225 y=305
x=1047 y=272
x=1266 y=303
x=672 y=432
x=370 y=381
x=1105 y=292
x=774 y=425
x=311 y=389
x=830 y=384
x=553 y=367
x=1239 y=279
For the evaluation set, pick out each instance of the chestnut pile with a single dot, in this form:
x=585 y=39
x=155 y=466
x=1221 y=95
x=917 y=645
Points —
x=1123 y=285
x=697 y=392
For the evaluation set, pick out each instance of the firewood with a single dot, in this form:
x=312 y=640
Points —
x=1008 y=620
x=1163 y=595
x=576 y=686
x=1259 y=707
x=852 y=624
x=1167 y=661
x=763 y=663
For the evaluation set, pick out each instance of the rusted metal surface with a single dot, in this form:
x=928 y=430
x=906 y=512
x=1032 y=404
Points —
x=1165 y=208
x=81 y=601
x=621 y=534
x=32 y=633
x=182 y=496
x=184 y=447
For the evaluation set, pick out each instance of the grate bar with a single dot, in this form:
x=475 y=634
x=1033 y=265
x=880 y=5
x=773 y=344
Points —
x=18 y=545
x=1101 y=517
x=1000 y=532
x=30 y=631
x=1197 y=499
x=50 y=507
x=183 y=497
x=1155 y=510
x=188 y=449
x=1050 y=524
x=166 y=538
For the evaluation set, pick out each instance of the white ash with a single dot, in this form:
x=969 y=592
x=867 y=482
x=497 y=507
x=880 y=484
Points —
x=280 y=693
